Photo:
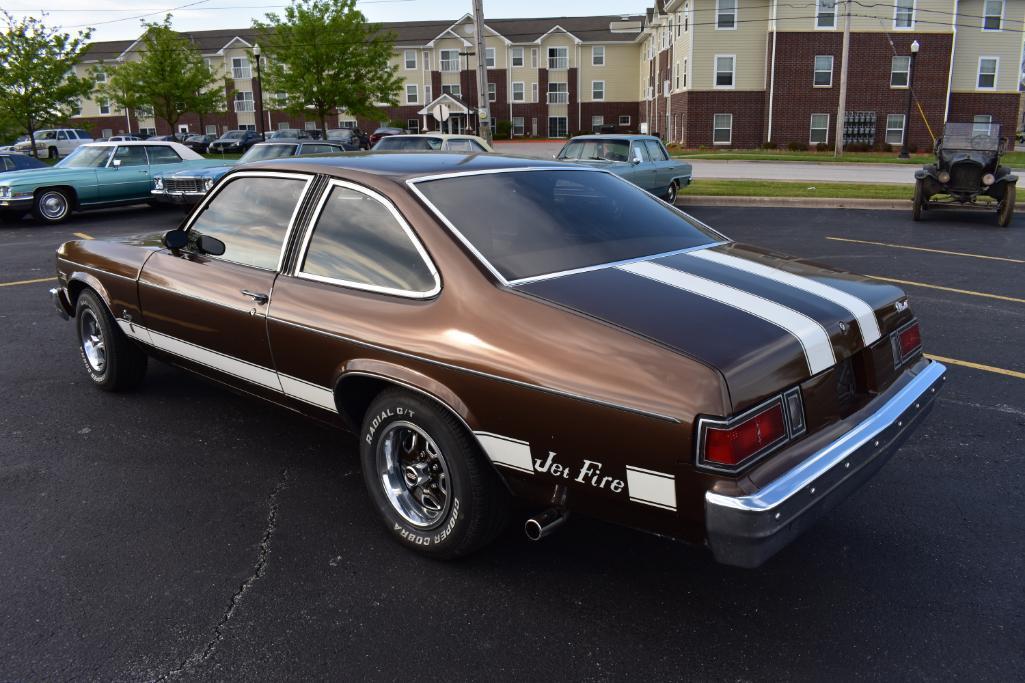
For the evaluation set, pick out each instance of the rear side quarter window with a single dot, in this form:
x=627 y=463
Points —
x=359 y=240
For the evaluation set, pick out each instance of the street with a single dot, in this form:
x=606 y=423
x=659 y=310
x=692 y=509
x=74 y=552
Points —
x=185 y=532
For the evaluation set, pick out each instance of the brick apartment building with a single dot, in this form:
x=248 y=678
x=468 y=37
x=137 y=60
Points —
x=698 y=72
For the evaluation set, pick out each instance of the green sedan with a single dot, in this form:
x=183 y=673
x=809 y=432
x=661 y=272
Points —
x=96 y=175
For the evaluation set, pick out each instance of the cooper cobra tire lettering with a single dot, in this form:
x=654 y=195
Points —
x=435 y=491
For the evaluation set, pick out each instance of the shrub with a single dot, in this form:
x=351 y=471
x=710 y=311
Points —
x=822 y=147
x=504 y=130
x=397 y=123
x=912 y=149
x=857 y=147
x=797 y=146
x=770 y=145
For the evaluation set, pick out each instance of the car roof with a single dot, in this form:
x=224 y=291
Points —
x=442 y=136
x=183 y=151
x=401 y=166
x=614 y=136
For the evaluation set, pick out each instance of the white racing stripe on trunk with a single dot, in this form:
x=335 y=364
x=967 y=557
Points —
x=657 y=489
x=818 y=348
x=507 y=452
x=860 y=309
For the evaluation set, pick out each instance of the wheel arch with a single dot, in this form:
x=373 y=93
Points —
x=78 y=282
x=70 y=190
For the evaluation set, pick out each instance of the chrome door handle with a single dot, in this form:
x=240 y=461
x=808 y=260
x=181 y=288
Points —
x=256 y=296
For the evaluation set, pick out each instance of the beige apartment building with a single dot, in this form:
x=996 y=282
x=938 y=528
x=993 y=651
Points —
x=697 y=72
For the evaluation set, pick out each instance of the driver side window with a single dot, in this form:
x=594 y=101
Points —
x=251 y=216
x=638 y=152
x=130 y=155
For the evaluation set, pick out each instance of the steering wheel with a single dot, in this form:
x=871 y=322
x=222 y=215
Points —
x=983 y=141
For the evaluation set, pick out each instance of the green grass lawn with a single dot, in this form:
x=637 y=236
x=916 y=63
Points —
x=1014 y=159
x=773 y=188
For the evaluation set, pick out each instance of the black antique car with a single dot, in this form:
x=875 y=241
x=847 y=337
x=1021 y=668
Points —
x=967 y=167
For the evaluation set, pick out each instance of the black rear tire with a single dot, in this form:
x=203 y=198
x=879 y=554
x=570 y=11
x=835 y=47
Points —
x=1005 y=210
x=674 y=188
x=918 y=201
x=407 y=439
x=112 y=360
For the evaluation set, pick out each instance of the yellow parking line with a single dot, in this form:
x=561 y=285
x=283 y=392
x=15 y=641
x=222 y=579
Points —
x=932 y=251
x=969 y=292
x=82 y=235
x=27 y=282
x=977 y=366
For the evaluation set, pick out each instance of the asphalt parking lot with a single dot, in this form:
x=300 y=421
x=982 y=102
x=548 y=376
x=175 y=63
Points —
x=185 y=532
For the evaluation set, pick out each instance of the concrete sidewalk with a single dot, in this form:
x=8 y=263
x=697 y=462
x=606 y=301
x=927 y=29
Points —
x=897 y=174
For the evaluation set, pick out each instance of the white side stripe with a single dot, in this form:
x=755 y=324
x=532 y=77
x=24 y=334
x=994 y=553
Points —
x=818 y=349
x=507 y=452
x=657 y=489
x=217 y=361
x=861 y=311
x=313 y=394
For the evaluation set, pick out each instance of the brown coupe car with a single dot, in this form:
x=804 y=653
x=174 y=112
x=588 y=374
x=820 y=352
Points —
x=496 y=328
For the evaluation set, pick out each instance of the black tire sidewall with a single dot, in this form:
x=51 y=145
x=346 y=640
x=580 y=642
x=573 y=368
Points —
x=447 y=538
x=89 y=301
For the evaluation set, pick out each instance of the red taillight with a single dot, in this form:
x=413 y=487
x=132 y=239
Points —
x=732 y=446
x=909 y=339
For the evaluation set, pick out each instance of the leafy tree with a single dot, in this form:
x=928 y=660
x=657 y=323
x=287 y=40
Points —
x=325 y=57
x=119 y=88
x=38 y=85
x=169 y=77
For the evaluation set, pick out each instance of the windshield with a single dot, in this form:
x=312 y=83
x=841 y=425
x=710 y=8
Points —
x=542 y=222
x=980 y=136
x=414 y=144
x=263 y=152
x=597 y=150
x=233 y=135
x=86 y=157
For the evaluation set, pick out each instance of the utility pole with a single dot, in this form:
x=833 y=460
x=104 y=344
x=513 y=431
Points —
x=842 y=109
x=483 y=110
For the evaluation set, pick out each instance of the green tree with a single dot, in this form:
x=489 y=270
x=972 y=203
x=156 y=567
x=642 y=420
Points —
x=38 y=84
x=119 y=88
x=169 y=77
x=325 y=57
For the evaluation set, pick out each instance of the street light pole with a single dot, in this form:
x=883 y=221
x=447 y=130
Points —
x=259 y=93
x=907 y=115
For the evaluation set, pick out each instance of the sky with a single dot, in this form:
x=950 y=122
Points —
x=119 y=20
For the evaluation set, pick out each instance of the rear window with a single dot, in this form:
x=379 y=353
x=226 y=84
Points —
x=596 y=150
x=409 y=144
x=542 y=222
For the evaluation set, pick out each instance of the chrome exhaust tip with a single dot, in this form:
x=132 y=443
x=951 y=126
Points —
x=539 y=526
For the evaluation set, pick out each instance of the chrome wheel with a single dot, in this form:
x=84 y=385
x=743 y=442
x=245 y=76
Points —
x=53 y=205
x=93 y=345
x=414 y=474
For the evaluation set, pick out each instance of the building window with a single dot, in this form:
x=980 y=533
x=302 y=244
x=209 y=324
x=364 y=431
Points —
x=450 y=60
x=106 y=132
x=819 y=133
x=686 y=17
x=724 y=68
x=597 y=90
x=104 y=105
x=240 y=68
x=823 y=77
x=244 y=101
x=310 y=125
x=100 y=77
x=517 y=58
x=533 y=92
x=428 y=94
x=427 y=60
x=992 y=15
x=684 y=72
x=624 y=120
x=894 y=129
x=413 y=124
x=676 y=76
x=722 y=129
x=492 y=92
x=489 y=57
x=904 y=14
x=533 y=57
x=518 y=125
x=517 y=91
x=147 y=132
x=558 y=58
x=725 y=15
x=598 y=55
x=597 y=122
x=825 y=14
x=558 y=93
x=558 y=126
x=454 y=90
x=412 y=93
x=982 y=124
x=987 y=73
x=899 y=68
x=409 y=56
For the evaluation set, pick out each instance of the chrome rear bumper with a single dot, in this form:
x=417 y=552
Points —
x=745 y=531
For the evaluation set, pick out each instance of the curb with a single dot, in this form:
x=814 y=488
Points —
x=795 y=202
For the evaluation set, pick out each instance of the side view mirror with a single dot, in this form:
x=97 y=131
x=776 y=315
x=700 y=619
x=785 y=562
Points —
x=116 y=163
x=636 y=160
x=175 y=239
x=210 y=245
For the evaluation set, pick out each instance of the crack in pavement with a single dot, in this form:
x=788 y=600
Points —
x=259 y=570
